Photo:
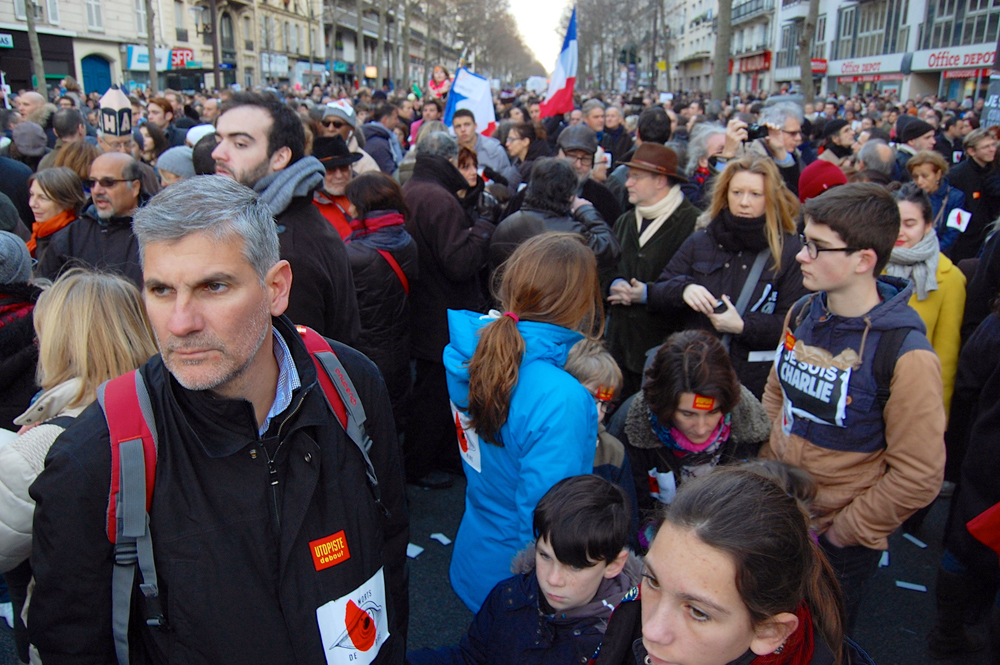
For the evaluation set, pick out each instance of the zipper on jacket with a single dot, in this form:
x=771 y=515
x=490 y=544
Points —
x=272 y=471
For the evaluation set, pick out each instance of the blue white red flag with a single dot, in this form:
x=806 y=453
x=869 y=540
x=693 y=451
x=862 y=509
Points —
x=559 y=98
x=471 y=91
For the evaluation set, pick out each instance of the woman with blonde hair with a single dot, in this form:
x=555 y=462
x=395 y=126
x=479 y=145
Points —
x=736 y=275
x=523 y=422
x=91 y=327
x=78 y=157
x=55 y=198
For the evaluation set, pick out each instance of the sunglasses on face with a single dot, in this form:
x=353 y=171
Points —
x=104 y=182
x=336 y=124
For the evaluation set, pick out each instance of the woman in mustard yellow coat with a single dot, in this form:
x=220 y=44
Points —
x=938 y=285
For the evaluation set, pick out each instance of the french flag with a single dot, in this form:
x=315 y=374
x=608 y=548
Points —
x=471 y=91
x=559 y=98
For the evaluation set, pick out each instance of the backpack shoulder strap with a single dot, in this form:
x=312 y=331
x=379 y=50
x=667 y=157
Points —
x=396 y=268
x=884 y=364
x=343 y=399
x=132 y=434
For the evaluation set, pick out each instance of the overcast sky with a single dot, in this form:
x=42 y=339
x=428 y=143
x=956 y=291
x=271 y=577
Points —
x=538 y=21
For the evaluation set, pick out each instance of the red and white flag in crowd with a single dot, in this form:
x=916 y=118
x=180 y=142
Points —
x=559 y=98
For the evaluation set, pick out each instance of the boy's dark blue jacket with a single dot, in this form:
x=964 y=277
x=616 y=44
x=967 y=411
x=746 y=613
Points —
x=510 y=627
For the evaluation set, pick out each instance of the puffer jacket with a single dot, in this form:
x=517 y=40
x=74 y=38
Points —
x=99 y=244
x=512 y=626
x=586 y=221
x=943 y=201
x=703 y=260
x=749 y=429
x=18 y=353
x=550 y=434
x=384 y=304
x=20 y=463
x=892 y=462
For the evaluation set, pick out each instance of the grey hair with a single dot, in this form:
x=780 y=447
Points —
x=438 y=143
x=777 y=115
x=217 y=206
x=871 y=155
x=698 y=145
x=590 y=105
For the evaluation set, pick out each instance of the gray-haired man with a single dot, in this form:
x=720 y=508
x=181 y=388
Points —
x=270 y=543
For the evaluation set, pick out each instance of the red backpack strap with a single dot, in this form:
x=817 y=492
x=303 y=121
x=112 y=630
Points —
x=128 y=412
x=394 y=264
x=316 y=344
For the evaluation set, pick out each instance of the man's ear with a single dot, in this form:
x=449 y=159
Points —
x=867 y=258
x=281 y=158
x=771 y=634
x=615 y=567
x=278 y=283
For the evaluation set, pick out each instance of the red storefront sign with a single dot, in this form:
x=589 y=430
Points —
x=819 y=66
x=756 y=63
x=870 y=78
x=966 y=73
x=179 y=57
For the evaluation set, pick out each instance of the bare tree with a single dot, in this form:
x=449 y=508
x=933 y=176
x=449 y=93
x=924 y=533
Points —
x=380 y=42
x=151 y=47
x=359 y=45
x=37 y=64
x=720 y=64
x=805 y=53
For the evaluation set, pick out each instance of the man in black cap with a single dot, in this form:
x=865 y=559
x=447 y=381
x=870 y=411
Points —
x=578 y=145
x=916 y=135
x=339 y=162
x=839 y=137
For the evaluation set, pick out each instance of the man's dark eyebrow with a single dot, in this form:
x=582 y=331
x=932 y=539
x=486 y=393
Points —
x=217 y=277
x=688 y=597
x=233 y=135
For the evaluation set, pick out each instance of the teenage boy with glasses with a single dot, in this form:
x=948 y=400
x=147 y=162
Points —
x=876 y=461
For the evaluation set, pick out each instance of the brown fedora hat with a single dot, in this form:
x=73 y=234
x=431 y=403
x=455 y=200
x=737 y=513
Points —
x=658 y=159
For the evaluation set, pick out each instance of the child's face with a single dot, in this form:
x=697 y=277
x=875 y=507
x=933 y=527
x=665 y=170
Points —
x=566 y=587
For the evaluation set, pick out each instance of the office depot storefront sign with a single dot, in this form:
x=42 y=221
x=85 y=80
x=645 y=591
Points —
x=880 y=64
x=959 y=57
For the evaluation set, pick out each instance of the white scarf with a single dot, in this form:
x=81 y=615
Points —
x=658 y=212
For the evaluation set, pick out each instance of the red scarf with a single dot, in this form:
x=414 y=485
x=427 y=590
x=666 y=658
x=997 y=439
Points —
x=362 y=227
x=48 y=227
x=798 y=648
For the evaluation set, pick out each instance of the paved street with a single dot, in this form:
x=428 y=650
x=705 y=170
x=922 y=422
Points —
x=892 y=627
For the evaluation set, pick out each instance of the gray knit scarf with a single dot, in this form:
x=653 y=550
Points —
x=917 y=264
x=299 y=179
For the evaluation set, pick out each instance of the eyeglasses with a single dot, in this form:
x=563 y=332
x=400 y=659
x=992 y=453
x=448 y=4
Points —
x=105 y=182
x=116 y=146
x=585 y=160
x=814 y=251
x=798 y=133
x=336 y=124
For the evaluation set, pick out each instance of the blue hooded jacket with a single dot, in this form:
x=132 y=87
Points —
x=949 y=198
x=550 y=434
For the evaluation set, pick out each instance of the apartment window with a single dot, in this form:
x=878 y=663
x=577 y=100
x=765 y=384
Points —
x=140 y=17
x=95 y=19
x=264 y=25
x=819 y=40
x=226 y=40
x=871 y=29
x=247 y=29
x=297 y=39
x=53 y=9
x=19 y=11
x=846 y=33
x=178 y=13
x=286 y=36
x=981 y=21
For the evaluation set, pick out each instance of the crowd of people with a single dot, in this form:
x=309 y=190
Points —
x=695 y=360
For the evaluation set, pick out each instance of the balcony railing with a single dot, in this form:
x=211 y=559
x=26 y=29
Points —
x=248 y=44
x=182 y=35
x=748 y=10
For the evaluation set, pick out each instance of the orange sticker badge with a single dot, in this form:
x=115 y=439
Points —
x=789 y=340
x=605 y=393
x=703 y=403
x=329 y=551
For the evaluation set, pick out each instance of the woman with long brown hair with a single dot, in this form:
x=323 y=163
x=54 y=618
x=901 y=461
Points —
x=749 y=228
x=734 y=577
x=523 y=422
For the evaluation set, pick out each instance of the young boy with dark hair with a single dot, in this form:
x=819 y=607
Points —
x=556 y=607
x=856 y=393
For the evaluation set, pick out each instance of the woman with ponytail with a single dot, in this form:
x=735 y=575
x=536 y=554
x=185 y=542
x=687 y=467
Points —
x=523 y=422
x=734 y=577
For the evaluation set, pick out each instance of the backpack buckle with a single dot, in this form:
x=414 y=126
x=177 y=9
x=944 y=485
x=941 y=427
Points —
x=126 y=553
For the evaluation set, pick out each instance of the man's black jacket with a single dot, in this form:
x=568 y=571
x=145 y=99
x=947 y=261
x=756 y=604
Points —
x=236 y=571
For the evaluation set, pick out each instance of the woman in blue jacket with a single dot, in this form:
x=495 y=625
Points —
x=523 y=422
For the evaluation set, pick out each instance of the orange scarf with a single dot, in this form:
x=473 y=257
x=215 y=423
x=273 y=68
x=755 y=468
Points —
x=48 y=227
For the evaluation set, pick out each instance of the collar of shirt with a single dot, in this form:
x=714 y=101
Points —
x=288 y=379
